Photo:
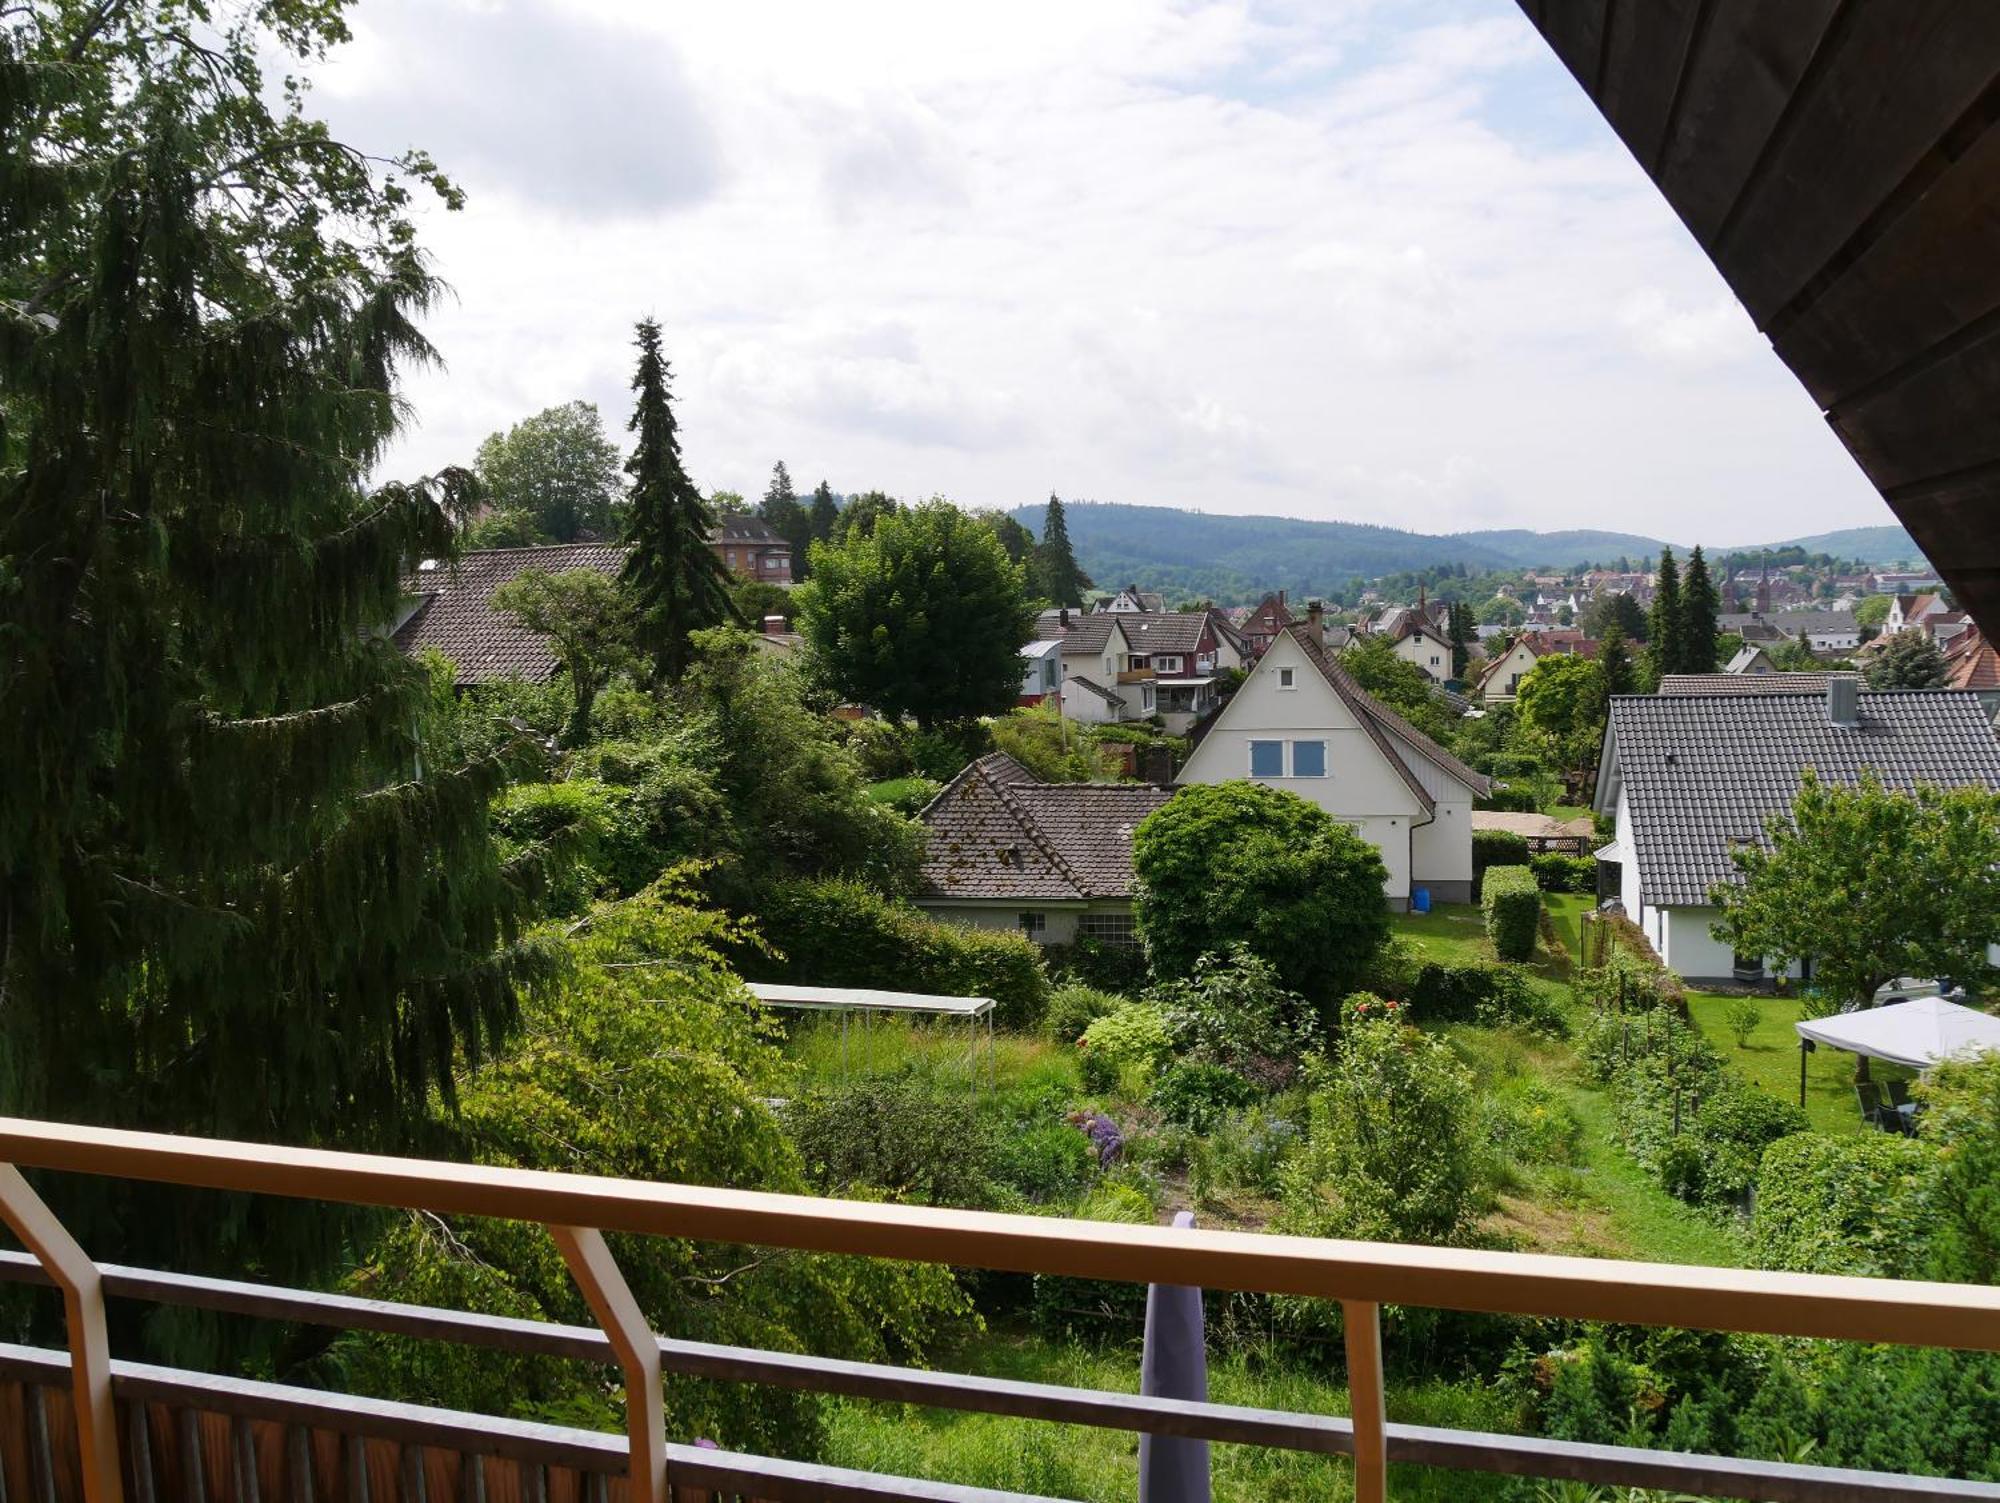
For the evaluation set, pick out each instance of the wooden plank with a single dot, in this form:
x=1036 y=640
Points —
x=1738 y=80
x=1886 y=86
x=1645 y=53
x=356 y=1458
x=1944 y=419
x=243 y=1458
x=1932 y=273
x=139 y=1452
x=299 y=1465
x=41 y=1453
x=1363 y=1323
x=193 y=1468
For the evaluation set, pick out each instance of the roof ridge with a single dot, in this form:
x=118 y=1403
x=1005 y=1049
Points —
x=1025 y=817
x=1387 y=718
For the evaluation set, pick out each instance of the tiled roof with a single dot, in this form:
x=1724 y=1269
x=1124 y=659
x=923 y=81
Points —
x=1972 y=663
x=997 y=833
x=1272 y=606
x=742 y=527
x=1163 y=631
x=454 y=614
x=1385 y=725
x=1784 y=623
x=1702 y=772
x=1088 y=634
x=1747 y=683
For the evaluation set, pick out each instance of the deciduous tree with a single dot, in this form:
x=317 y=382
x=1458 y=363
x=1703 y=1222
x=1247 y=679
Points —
x=558 y=468
x=1560 y=703
x=1908 y=660
x=862 y=512
x=925 y=619
x=587 y=619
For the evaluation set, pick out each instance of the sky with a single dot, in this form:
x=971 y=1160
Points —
x=1365 y=260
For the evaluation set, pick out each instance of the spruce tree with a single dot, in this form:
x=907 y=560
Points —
x=678 y=584
x=1700 y=606
x=1614 y=662
x=1055 y=561
x=780 y=508
x=238 y=895
x=825 y=513
x=1664 y=625
x=1464 y=630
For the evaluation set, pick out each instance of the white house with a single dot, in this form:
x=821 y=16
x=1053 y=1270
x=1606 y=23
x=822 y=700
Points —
x=1688 y=776
x=1300 y=722
x=1502 y=679
x=1041 y=671
x=1099 y=682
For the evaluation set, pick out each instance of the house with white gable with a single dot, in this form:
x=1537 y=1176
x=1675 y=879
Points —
x=1502 y=679
x=1301 y=723
x=1689 y=775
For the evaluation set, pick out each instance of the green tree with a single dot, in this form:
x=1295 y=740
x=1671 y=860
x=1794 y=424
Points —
x=237 y=897
x=1699 y=607
x=677 y=584
x=1055 y=560
x=1502 y=610
x=558 y=468
x=1614 y=608
x=1560 y=705
x=1373 y=663
x=729 y=504
x=862 y=512
x=1962 y=1119
x=1016 y=539
x=781 y=509
x=1233 y=861
x=825 y=513
x=924 y=619
x=1664 y=626
x=1614 y=664
x=1464 y=632
x=1830 y=884
x=649 y=1062
x=754 y=599
x=587 y=619
x=1873 y=611
x=1908 y=660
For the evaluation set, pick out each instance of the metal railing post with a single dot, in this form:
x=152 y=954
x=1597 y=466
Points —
x=603 y=1285
x=1365 y=1400
x=89 y=1343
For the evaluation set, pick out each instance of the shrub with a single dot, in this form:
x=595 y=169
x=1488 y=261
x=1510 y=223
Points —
x=1513 y=908
x=1479 y=991
x=1045 y=1161
x=881 y=747
x=1200 y=1096
x=831 y=932
x=943 y=753
x=1743 y=1015
x=1248 y=1150
x=1734 y=1126
x=1136 y=1034
x=905 y=795
x=1531 y=1124
x=898 y=1134
x=1848 y=1204
x=1555 y=872
x=1232 y=1011
x=1054 y=752
x=1074 y=1007
x=1497 y=848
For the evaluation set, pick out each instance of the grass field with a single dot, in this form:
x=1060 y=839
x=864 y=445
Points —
x=1772 y=1059
x=1568 y=909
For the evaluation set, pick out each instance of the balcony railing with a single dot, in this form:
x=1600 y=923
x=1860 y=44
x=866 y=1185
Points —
x=130 y=1430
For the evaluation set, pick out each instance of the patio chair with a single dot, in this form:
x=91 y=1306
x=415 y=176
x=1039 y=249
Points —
x=1899 y=1092
x=1872 y=1109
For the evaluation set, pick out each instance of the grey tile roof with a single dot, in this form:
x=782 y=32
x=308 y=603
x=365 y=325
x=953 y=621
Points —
x=995 y=833
x=1164 y=631
x=1747 y=683
x=1702 y=772
x=741 y=527
x=454 y=613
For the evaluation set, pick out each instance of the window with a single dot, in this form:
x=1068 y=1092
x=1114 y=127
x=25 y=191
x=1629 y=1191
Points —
x=730 y=553
x=1286 y=678
x=1308 y=759
x=1035 y=925
x=1107 y=928
x=1204 y=662
x=1267 y=759
x=1167 y=665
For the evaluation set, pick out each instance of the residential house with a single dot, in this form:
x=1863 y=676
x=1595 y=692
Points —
x=1052 y=860
x=448 y=608
x=1418 y=639
x=1503 y=675
x=1266 y=620
x=751 y=549
x=1689 y=776
x=1903 y=581
x=1041 y=672
x=1751 y=661
x=1821 y=631
x=1098 y=682
x=1972 y=664
x=1184 y=651
x=1300 y=722
x=1134 y=601
x=1912 y=610
x=1946 y=627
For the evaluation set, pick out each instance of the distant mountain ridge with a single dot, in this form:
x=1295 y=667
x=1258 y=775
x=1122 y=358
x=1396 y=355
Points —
x=1234 y=558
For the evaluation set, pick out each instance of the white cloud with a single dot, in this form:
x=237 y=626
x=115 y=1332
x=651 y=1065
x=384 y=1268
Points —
x=1375 y=261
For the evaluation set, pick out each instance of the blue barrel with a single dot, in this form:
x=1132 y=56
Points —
x=1420 y=900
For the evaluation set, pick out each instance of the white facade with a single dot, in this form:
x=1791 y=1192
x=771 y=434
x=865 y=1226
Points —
x=1503 y=678
x=1324 y=753
x=1679 y=934
x=1428 y=651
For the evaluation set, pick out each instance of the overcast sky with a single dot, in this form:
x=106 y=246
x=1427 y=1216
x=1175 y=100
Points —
x=1371 y=261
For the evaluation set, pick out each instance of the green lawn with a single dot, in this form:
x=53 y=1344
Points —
x=1568 y=909
x=1450 y=931
x=1772 y=1059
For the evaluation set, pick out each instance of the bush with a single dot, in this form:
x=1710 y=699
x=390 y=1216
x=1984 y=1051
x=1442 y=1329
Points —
x=1513 y=908
x=1054 y=752
x=1531 y=1124
x=1743 y=1015
x=1734 y=1126
x=898 y=1134
x=1555 y=872
x=1497 y=848
x=1233 y=1012
x=905 y=795
x=1111 y=968
x=1480 y=991
x=831 y=932
x=1200 y=1096
x=1075 y=1007
x=942 y=754
x=1849 y=1204
x=1045 y=1161
x=880 y=747
x=1136 y=1034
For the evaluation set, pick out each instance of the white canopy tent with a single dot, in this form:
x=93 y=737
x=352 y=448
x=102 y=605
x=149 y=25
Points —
x=1917 y=1033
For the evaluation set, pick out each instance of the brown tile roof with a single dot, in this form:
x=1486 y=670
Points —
x=996 y=833
x=1163 y=631
x=1384 y=725
x=1972 y=663
x=454 y=614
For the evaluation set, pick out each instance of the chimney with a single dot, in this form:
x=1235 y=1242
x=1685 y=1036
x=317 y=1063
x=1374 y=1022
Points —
x=1281 y=597
x=1843 y=701
x=775 y=626
x=1316 y=623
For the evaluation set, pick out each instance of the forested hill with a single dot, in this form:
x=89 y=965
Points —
x=1234 y=558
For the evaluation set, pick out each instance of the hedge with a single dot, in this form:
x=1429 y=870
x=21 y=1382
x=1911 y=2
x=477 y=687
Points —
x=1497 y=848
x=1850 y=1203
x=1555 y=872
x=1513 y=908
x=836 y=933
x=1479 y=991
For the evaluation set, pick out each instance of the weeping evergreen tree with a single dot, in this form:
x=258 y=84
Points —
x=235 y=899
x=678 y=584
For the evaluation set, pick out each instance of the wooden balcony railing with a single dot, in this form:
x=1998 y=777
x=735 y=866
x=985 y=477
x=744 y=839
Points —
x=190 y=1437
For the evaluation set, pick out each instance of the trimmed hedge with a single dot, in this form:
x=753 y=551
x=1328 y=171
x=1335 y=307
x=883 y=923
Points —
x=1847 y=1204
x=1512 y=904
x=837 y=933
x=1497 y=848
x=1555 y=872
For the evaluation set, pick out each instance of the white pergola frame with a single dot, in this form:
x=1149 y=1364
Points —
x=868 y=1001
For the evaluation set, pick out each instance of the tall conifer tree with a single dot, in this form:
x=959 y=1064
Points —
x=677 y=582
x=1700 y=605
x=825 y=513
x=1055 y=561
x=1614 y=662
x=1665 y=626
x=791 y=521
x=237 y=895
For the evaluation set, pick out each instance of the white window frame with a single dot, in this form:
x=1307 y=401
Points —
x=1288 y=679
x=1033 y=923
x=1166 y=665
x=1250 y=756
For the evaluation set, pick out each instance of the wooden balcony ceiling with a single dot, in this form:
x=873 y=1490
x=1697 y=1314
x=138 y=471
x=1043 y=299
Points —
x=1838 y=161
